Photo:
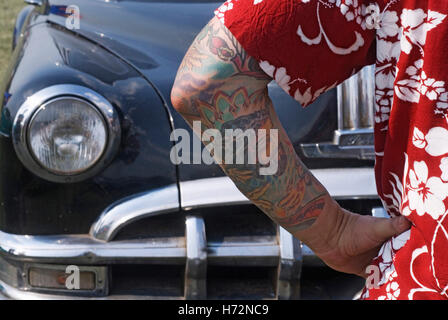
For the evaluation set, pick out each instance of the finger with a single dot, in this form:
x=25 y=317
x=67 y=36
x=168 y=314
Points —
x=385 y=228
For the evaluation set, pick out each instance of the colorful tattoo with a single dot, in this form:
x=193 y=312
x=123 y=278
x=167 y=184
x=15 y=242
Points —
x=219 y=84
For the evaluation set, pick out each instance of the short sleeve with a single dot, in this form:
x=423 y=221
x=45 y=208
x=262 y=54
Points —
x=306 y=46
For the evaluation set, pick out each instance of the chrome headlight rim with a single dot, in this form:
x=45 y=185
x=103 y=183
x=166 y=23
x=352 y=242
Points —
x=45 y=96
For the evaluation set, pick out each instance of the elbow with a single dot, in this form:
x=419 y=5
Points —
x=178 y=99
x=183 y=99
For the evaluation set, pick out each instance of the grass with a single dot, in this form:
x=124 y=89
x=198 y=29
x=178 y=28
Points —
x=8 y=12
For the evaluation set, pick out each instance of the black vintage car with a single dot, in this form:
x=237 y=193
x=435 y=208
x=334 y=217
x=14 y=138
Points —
x=86 y=180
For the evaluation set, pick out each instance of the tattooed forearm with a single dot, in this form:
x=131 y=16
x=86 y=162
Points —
x=219 y=84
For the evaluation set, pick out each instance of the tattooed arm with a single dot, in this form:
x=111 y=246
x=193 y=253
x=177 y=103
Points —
x=221 y=86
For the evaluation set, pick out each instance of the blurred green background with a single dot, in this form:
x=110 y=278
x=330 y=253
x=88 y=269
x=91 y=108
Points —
x=8 y=12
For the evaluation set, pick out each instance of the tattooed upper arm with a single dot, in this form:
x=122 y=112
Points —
x=219 y=84
x=214 y=61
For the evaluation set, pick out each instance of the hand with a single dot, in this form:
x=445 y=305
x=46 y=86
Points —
x=355 y=239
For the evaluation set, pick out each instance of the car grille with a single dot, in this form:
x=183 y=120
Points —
x=242 y=257
x=232 y=252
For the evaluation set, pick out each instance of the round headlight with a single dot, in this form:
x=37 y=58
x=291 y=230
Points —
x=66 y=133
x=67 y=136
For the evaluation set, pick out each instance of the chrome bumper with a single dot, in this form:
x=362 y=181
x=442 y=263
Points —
x=98 y=248
x=194 y=252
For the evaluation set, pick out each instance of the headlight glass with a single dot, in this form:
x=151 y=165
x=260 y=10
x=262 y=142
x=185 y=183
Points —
x=67 y=136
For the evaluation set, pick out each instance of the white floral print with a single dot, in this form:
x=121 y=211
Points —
x=392 y=288
x=278 y=74
x=387 y=253
x=416 y=24
x=444 y=168
x=431 y=87
x=228 y=5
x=388 y=25
x=421 y=288
x=435 y=142
x=304 y=98
x=372 y=18
x=426 y=194
x=419 y=84
x=409 y=89
x=384 y=102
x=357 y=44
x=387 y=58
x=413 y=29
x=443 y=101
x=418 y=139
x=388 y=53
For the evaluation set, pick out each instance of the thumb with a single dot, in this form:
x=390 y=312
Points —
x=386 y=228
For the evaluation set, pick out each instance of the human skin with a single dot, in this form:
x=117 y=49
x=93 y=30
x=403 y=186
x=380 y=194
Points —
x=219 y=84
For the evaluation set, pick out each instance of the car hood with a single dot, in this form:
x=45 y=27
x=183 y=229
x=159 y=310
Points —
x=151 y=35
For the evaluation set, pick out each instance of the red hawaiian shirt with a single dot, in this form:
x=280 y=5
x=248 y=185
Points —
x=310 y=46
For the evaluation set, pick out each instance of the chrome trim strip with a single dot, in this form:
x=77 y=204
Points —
x=84 y=250
x=351 y=182
x=355 y=137
x=38 y=99
x=333 y=151
x=210 y=192
x=196 y=264
x=244 y=255
x=222 y=191
x=290 y=266
x=133 y=208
